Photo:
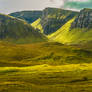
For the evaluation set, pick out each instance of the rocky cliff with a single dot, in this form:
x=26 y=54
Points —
x=53 y=18
x=83 y=20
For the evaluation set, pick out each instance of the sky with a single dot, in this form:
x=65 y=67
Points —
x=8 y=6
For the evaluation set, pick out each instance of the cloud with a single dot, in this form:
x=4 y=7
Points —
x=59 y=3
x=74 y=4
x=78 y=4
x=8 y=6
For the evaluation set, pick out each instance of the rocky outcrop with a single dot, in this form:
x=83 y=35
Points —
x=83 y=20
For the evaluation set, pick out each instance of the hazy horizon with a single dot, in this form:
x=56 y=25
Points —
x=9 y=6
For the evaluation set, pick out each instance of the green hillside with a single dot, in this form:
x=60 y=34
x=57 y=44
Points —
x=29 y=16
x=37 y=25
x=76 y=31
x=75 y=36
x=63 y=35
x=18 y=31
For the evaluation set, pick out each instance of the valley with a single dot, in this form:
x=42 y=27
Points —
x=46 y=51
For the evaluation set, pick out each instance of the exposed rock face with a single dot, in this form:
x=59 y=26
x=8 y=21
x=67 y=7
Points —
x=53 y=18
x=29 y=16
x=84 y=19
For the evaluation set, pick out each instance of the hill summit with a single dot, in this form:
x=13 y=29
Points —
x=18 y=31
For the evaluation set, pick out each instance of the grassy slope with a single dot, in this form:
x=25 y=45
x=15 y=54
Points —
x=42 y=53
x=68 y=36
x=18 y=31
x=36 y=24
x=61 y=35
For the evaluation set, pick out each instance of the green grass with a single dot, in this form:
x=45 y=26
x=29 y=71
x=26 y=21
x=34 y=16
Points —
x=42 y=53
x=61 y=35
x=46 y=78
x=75 y=36
x=18 y=31
x=37 y=25
x=45 y=67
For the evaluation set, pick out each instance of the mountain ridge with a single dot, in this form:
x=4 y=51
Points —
x=55 y=19
x=18 y=31
x=28 y=16
x=80 y=31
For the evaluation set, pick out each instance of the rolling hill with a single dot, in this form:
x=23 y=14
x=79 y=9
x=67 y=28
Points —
x=18 y=31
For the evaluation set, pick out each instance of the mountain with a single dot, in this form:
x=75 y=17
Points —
x=49 y=20
x=29 y=16
x=77 y=30
x=65 y=26
x=53 y=18
x=18 y=31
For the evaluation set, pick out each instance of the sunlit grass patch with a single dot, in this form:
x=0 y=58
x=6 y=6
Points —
x=47 y=78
